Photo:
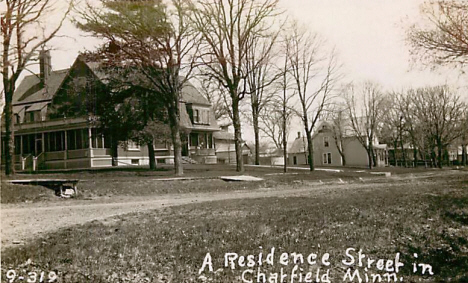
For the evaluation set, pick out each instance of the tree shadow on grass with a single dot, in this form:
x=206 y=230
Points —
x=444 y=247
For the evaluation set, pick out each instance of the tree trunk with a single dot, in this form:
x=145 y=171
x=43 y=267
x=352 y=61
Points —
x=369 y=157
x=152 y=160
x=415 y=157
x=343 y=157
x=310 y=149
x=114 y=151
x=237 y=133
x=371 y=152
x=403 y=152
x=439 y=154
x=175 y=136
x=9 y=131
x=285 y=142
x=395 y=146
x=257 y=135
x=463 y=161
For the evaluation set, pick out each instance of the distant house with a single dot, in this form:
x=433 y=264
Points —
x=297 y=153
x=44 y=140
x=273 y=157
x=226 y=148
x=455 y=154
x=326 y=152
x=398 y=156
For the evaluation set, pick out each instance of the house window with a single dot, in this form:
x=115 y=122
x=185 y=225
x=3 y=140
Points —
x=135 y=161
x=327 y=158
x=326 y=142
x=133 y=146
x=196 y=116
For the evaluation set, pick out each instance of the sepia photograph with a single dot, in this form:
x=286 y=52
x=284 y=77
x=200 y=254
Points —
x=250 y=141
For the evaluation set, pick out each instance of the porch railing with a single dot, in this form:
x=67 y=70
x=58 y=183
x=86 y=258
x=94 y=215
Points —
x=27 y=162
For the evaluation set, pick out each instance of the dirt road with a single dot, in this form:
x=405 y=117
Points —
x=23 y=222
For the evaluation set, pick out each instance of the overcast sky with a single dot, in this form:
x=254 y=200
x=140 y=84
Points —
x=369 y=36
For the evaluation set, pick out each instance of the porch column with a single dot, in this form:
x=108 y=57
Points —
x=21 y=146
x=188 y=143
x=43 y=142
x=90 y=143
x=65 y=155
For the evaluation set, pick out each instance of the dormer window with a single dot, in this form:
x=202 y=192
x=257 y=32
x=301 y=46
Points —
x=201 y=116
x=17 y=119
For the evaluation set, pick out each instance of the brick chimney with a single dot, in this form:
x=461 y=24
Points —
x=45 y=66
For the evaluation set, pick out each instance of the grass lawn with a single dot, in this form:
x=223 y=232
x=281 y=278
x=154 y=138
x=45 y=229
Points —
x=142 y=182
x=424 y=216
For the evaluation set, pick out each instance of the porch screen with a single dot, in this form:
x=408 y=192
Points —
x=55 y=141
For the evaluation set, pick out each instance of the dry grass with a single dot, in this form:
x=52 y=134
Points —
x=428 y=217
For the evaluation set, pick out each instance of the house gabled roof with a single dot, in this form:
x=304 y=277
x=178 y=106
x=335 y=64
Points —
x=299 y=145
x=30 y=90
x=191 y=95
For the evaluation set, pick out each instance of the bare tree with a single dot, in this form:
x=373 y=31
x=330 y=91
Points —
x=439 y=113
x=19 y=47
x=366 y=107
x=272 y=123
x=395 y=129
x=156 y=40
x=314 y=75
x=227 y=28
x=445 y=38
x=261 y=76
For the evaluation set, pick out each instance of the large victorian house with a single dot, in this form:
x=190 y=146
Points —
x=46 y=140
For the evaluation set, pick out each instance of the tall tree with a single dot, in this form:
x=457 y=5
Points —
x=261 y=76
x=366 y=107
x=227 y=28
x=315 y=74
x=444 y=37
x=158 y=42
x=19 y=47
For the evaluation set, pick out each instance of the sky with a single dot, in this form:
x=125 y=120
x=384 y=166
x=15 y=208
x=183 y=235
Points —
x=369 y=36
